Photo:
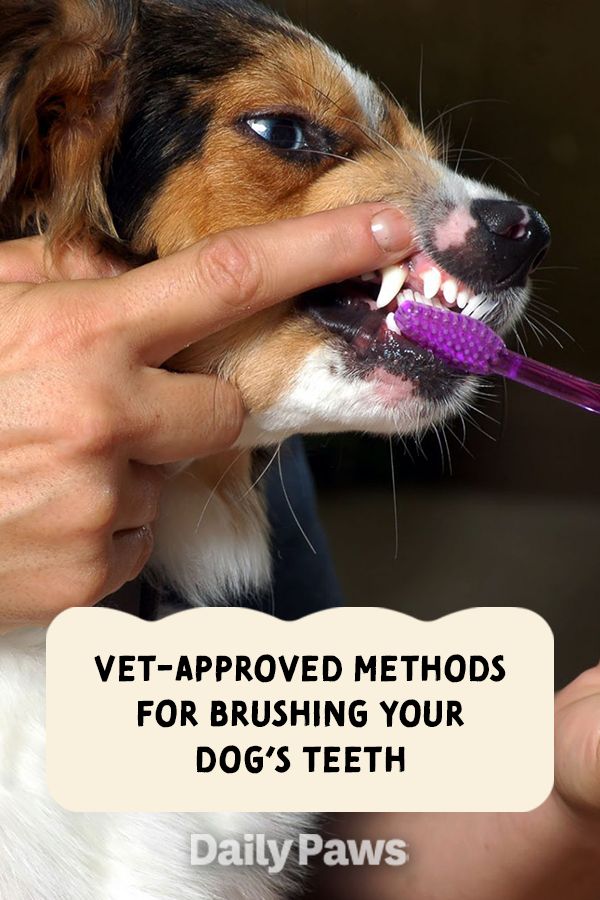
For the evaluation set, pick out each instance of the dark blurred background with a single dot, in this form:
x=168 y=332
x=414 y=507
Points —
x=515 y=518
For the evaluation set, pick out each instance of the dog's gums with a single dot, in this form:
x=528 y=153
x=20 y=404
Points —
x=362 y=312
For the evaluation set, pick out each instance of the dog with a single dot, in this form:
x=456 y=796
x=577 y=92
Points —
x=141 y=127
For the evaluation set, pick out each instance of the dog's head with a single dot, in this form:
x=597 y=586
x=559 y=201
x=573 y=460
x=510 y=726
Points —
x=149 y=125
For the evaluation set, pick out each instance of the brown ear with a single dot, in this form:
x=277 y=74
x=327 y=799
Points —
x=62 y=67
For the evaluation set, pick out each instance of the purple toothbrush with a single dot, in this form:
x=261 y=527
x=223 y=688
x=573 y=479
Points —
x=470 y=346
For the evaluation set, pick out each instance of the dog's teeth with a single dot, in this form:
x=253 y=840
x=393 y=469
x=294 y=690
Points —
x=390 y=321
x=407 y=294
x=393 y=277
x=450 y=290
x=462 y=299
x=432 y=281
x=472 y=305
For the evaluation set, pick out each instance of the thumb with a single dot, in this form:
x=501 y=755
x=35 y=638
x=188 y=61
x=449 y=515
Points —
x=578 y=742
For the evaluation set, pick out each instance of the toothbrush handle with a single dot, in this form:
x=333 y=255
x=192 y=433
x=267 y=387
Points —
x=549 y=380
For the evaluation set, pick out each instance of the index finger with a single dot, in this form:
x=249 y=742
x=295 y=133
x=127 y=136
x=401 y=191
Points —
x=177 y=300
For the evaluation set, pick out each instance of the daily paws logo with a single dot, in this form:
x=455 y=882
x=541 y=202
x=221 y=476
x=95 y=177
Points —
x=273 y=855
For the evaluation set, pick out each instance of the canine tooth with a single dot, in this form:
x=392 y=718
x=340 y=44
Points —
x=462 y=299
x=432 y=281
x=392 y=280
x=390 y=321
x=450 y=290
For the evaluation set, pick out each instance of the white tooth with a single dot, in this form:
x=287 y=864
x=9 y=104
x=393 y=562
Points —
x=407 y=295
x=450 y=290
x=463 y=299
x=392 y=279
x=472 y=305
x=432 y=281
x=390 y=321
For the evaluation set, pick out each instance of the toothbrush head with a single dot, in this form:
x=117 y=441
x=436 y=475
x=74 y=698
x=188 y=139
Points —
x=464 y=343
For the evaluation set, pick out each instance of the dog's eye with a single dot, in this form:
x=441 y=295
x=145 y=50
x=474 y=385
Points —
x=281 y=133
x=293 y=137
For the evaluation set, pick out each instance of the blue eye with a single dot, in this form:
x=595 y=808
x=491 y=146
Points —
x=281 y=133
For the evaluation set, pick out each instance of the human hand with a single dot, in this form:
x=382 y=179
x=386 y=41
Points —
x=551 y=853
x=89 y=416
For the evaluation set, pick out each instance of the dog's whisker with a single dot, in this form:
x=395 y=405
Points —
x=458 y=106
x=380 y=137
x=502 y=162
x=327 y=154
x=257 y=481
x=462 y=147
x=538 y=334
x=538 y=308
x=422 y=136
x=421 y=116
x=289 y=504
x=220 y=481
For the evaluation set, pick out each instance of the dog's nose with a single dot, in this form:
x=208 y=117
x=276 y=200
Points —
x=511 y=237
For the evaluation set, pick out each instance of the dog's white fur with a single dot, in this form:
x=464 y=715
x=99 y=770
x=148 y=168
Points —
x=51 y=854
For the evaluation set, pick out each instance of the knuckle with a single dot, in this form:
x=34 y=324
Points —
x=70 y=324
x=232 y=269
x=60 y=323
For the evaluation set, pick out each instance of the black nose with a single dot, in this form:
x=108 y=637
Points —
x=511 y=240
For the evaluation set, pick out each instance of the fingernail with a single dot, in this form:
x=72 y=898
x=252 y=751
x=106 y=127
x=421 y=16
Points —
x=391 y=230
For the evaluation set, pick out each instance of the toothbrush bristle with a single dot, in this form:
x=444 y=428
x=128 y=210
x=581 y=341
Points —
x=464 y=343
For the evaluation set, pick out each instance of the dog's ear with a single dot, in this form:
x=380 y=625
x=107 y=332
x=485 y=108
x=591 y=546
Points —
x=62 y=69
